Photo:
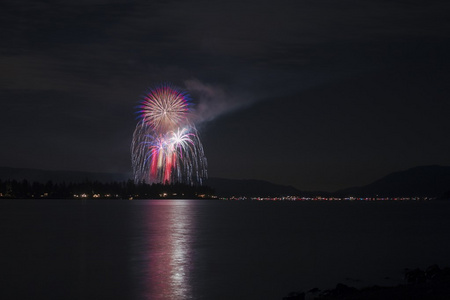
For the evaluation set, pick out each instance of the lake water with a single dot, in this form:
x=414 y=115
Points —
x=200 y=249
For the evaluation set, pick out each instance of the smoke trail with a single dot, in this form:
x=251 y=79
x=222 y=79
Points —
x=213 y=101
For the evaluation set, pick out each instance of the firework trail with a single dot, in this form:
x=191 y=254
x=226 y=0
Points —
x=165 y=146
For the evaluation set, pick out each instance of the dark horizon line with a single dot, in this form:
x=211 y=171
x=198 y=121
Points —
x=120 y=177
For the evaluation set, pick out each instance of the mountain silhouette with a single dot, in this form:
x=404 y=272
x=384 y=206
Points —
x=7 y=173
x=423 y=181
x=252 y=188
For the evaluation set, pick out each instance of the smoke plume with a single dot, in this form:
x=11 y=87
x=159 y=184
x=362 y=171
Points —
x=212 y=100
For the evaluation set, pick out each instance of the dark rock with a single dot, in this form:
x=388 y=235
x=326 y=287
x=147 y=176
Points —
x=433 y=272
x=342 y=290
x=295 y=296
x=415 y=276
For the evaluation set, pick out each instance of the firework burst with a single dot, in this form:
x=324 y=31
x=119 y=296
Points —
x=166 y=147
x=165 y=108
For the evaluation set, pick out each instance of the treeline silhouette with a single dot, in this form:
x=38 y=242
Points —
x=96 y=189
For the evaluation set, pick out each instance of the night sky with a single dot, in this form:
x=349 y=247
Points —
x=320 y=95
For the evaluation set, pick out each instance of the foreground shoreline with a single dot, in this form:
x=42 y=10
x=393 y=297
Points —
x=431 y=284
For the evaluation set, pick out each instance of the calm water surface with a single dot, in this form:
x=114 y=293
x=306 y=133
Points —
x=198 y=249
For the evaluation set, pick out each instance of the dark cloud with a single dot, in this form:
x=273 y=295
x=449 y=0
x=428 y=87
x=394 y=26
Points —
x=349 y=131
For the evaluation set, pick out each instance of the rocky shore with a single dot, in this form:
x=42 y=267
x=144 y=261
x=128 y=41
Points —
x=429 y=284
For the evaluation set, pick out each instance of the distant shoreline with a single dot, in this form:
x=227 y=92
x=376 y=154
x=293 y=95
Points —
x=235 y=199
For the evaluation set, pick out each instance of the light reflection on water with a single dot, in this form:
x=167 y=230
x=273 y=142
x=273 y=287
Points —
x=194 y=249
x=164 y=250
x=189 y=249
